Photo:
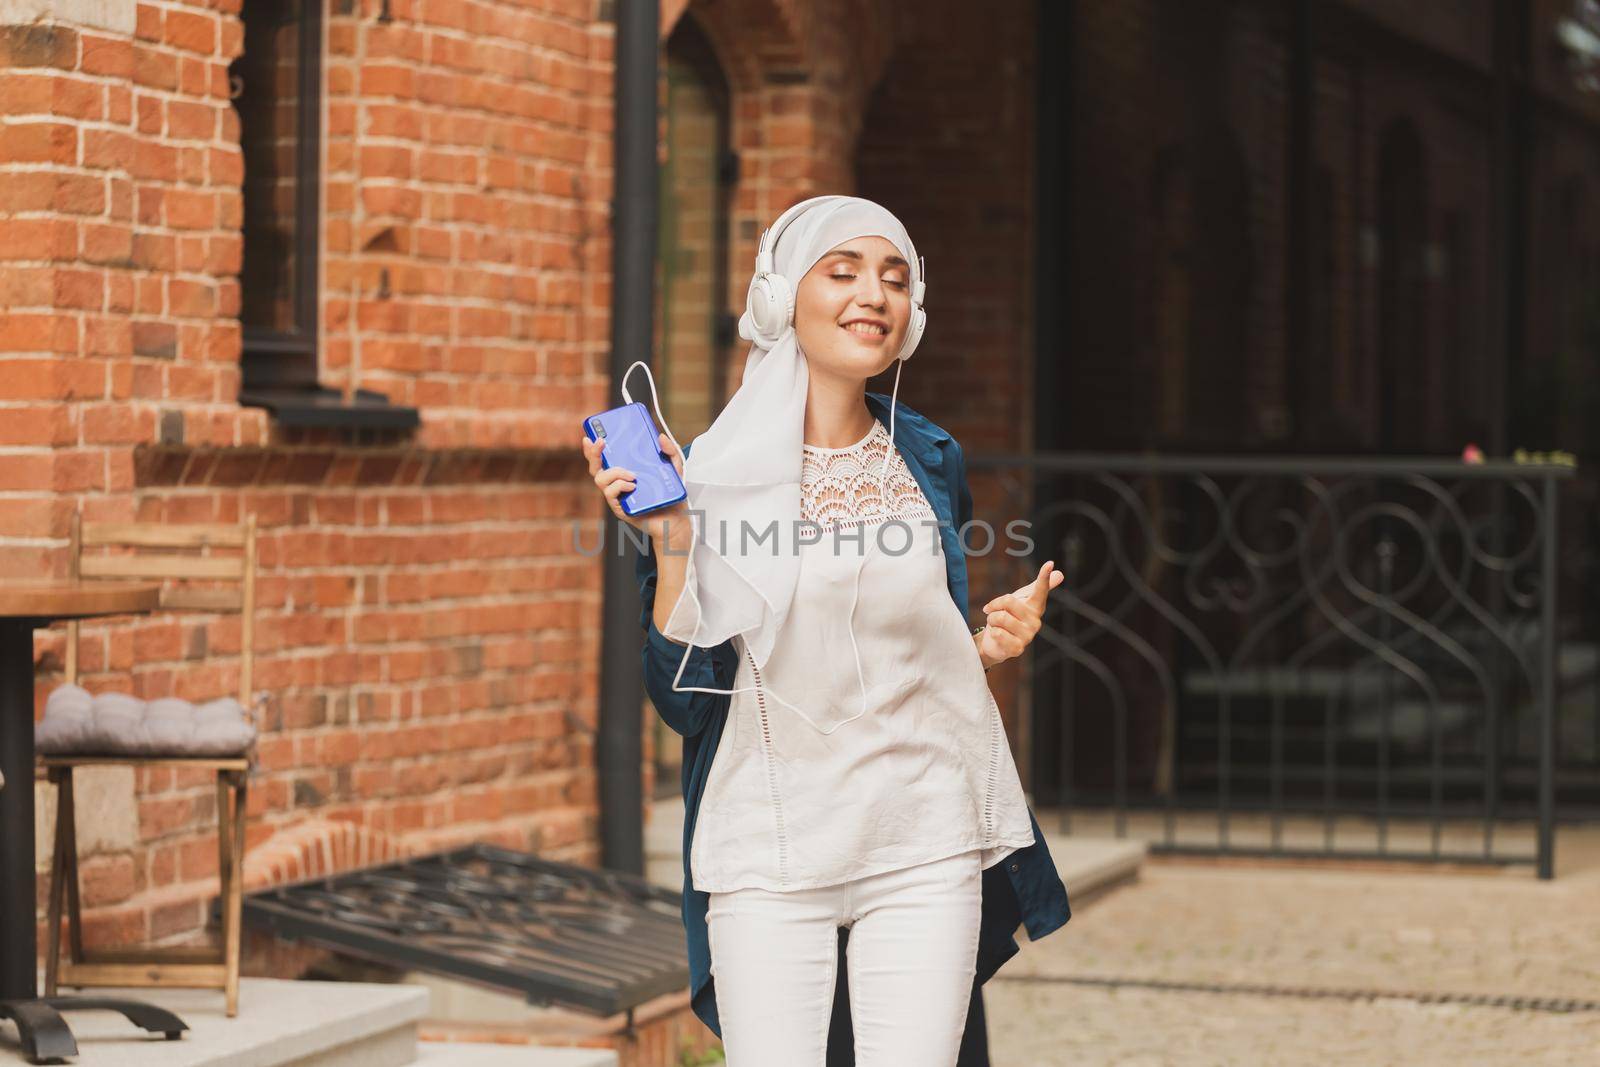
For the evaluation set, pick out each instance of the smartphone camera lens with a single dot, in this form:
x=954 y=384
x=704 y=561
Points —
x=599 y=428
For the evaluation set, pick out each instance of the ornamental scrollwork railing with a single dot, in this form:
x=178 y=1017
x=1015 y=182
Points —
x=1273 y=638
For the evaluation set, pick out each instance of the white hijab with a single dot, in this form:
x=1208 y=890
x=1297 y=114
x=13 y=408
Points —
x=745 y=468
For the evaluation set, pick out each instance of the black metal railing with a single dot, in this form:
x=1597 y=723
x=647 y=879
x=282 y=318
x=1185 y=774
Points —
x=1311 y=650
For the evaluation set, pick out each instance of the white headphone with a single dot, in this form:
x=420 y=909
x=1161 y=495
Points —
x=770 y=301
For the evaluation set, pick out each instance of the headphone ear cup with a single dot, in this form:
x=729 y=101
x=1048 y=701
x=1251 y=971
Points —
x=770 y=303
x=914 y=331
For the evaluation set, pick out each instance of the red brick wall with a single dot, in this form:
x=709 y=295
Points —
x=427 y=638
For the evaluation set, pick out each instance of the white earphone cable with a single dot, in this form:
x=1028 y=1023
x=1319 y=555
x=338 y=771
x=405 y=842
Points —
x=883 y=477
x=655 y=400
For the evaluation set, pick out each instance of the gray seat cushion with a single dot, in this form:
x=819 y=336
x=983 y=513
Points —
x=77 y=723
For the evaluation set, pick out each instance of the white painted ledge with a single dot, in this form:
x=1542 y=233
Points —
x=114 y=15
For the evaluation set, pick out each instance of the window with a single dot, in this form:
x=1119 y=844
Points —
x=276 y=85
x=276 y=92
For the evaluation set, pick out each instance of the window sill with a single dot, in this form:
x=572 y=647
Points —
x=319 y=407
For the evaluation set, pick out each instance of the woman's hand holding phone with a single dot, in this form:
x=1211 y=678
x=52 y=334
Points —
x=669 y=526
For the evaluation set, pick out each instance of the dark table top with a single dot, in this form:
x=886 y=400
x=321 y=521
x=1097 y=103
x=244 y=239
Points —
x=66 y=599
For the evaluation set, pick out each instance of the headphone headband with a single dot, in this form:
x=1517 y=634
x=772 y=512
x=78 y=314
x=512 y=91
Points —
x=766 y=250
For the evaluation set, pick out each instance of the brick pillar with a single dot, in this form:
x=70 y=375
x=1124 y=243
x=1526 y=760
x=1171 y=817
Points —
x=60 y=228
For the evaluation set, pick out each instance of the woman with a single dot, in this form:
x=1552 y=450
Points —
x=845 y=768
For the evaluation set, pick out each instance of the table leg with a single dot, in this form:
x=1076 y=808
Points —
x=45 y=1037
x=44 y=1034
x=19 y=955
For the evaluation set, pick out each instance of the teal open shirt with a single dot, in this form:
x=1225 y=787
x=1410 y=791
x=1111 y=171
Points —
x=1024 y=889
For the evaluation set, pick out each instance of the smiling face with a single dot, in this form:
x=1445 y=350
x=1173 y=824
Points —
x=853 y=307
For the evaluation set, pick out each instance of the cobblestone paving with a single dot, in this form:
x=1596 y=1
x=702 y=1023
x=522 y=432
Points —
x=1387 y=932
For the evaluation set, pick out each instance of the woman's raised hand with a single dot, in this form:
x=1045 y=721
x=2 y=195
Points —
x=666 y=526
x=1014 y=618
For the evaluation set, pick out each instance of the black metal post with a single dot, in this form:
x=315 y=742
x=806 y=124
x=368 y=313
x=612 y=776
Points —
x=1508 y=146
x=1386 y=561
x=1068 y=699
x=19 y=960
x=1547 y=684
x=619 y=747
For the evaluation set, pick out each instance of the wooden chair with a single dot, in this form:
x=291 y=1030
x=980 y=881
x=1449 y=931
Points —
x=231 y=587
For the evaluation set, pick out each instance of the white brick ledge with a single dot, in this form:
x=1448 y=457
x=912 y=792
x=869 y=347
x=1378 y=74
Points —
x=114 y=15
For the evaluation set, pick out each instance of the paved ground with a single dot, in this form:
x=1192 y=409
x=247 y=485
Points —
x=1391 y=936
x=1400 y=933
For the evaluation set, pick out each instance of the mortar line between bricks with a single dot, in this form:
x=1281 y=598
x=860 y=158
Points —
x=1512 y=1001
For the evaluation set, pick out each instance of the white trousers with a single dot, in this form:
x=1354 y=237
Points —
x=912 y=958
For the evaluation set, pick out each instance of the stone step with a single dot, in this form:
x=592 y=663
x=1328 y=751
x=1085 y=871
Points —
x=664 y=872
x=466 y=1054
x=1090 y=867
x=280 y=1024
x=663 y=831
x=663 y=844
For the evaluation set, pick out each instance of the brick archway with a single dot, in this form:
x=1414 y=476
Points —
x=316 y=848
x=752 y=39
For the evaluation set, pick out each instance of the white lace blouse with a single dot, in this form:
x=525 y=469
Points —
x=842 y=788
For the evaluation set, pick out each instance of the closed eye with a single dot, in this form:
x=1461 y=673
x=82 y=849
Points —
x=887 y=281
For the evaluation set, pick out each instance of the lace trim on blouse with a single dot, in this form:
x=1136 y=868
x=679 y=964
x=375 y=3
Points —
x=841 y=484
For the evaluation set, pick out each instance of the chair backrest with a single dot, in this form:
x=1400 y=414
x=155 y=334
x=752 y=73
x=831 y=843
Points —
x=180 y=554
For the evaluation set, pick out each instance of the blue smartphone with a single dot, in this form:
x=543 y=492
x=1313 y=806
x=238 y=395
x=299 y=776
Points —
x=632 y=442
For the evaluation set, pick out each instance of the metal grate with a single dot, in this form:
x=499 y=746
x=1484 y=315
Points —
x=555 y=933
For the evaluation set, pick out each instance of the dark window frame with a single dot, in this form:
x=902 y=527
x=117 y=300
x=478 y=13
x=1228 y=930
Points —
x=288 y=358
x=278 y=368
